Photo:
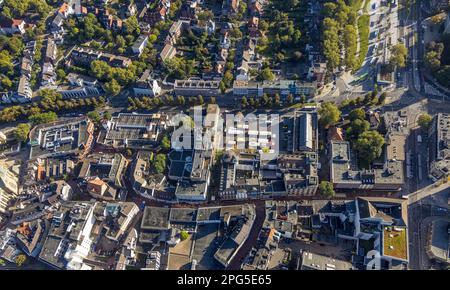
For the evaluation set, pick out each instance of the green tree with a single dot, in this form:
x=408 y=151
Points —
x=42 y=118
x=369 y=146
x=61 y=74
x=356 y=128
x=107 y=115
x=94 y=116
x=433 y=60
x=6 y=65
x=244 y=101
x=165 y=143
x=112 y=87
x=100 y=69
x=184 y=235
x=132 y=25
x=399 y=52
x=331 y=47
x=181 y=100
x=326 y=189
x=424 y=121
x=20 y=260
x=267 y=74
x=160 y=163
x=290 y=99
x=201 y=101
x=6 y=82
x=350 y=44
x=357 y=114
x=329 y=114
x=22 y=131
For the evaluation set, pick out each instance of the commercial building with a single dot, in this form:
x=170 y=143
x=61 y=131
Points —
x=9 y=184
x=190 y=170
x=146 y=86
x=69 y=239
x=61 y=138
x=138 y=131
x=345 y=175
x=146 y=181
x=311 y=261
x=281 y=87
x=81 y=56
x=196 y=88
x=382 y=223
x=437 y=241
x=439 y=146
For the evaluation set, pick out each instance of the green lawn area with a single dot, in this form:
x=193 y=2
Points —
x=396 y=239
x=363 y=30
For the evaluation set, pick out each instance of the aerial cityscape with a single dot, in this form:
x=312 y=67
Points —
x=225 y=135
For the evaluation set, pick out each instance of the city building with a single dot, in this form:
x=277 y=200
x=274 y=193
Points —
x=345 y=175
x=139 y=44
x=437 y=241
x=146 y=86
x=281 y=87
x=145 y=180
x=382 y=225
x=9 y=184
x=196 y=88
x=81 y=56
x=73 y=136
x=79 y=80
x=107 y=167
x=12 y=26
x=69 y=239
x=190 y=170
x=24 y=92
x=439 y=146
x=311 y=261
x=31 y=236
x=137 y=131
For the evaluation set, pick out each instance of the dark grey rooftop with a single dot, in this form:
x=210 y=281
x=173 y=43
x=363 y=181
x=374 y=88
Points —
x=183 y=215
x=155 y=218
x=208 y=214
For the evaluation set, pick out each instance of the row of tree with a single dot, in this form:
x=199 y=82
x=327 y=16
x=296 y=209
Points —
x=50 y=101
x=340 y=34
x=148 y=103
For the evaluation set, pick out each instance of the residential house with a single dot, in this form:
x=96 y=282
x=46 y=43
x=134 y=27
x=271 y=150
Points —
x=12 y=26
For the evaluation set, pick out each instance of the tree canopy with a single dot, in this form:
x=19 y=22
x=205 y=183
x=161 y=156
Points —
x=42 y=118
x=326 y=189
x=399 y=52
x=424 y=121
x=160 y=163
x=22 y=131
x=329 y=114
x=369 y=146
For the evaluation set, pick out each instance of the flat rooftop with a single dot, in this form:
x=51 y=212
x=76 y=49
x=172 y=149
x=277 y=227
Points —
x=208 y=214
x=197 y=84
x=311 y=261
x=395 y=242
x=155 y=218
x=183 y=215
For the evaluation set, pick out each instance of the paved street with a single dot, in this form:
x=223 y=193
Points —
x=426 y=203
